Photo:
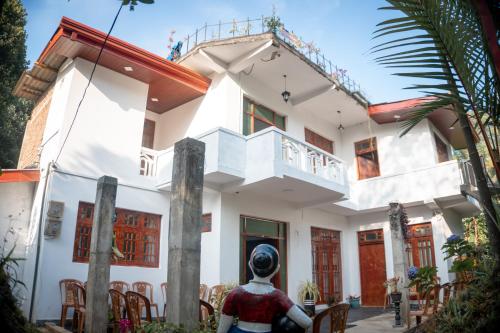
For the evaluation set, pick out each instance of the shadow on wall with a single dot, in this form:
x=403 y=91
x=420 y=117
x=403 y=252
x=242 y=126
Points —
x=95 y=161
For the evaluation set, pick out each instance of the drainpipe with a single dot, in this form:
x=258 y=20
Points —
x=38 y=245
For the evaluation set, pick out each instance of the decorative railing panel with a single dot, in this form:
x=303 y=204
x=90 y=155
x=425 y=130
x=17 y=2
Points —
x=312 y=160
x=148 y=162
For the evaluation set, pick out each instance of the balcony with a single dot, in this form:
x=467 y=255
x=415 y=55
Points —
x=269 y=162
x=441 y=183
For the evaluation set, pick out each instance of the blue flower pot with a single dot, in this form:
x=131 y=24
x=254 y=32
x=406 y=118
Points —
x=354 y=302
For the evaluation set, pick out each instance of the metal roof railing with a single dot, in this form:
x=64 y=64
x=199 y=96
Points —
x=248 y=27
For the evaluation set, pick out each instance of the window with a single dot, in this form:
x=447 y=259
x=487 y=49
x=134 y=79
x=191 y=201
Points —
x=137 y=236
x=442 y=149
x=367 y=158
x=206 y=222
x=257 y=117
x=148 y=133
x=420 y=245
x=319 y=141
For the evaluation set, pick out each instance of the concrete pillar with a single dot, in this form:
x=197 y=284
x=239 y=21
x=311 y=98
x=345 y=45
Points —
x=399 y=255
x=184 y=237
x=96 y=317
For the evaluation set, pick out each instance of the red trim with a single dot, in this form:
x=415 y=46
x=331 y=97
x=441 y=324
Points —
x=17 y=176
x=402 y=105
x=77 y=31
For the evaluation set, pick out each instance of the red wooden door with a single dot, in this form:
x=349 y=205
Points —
x=327 y=268
x=372 y=267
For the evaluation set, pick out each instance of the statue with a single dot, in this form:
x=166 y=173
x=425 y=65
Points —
x=259 y=306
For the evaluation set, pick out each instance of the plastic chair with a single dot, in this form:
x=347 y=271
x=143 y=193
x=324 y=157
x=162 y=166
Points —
x=117 y=301
x=207 y=313
x=146 y=289
x=163 y=287
x=66 y=297
x=79 y=302
x=135 y=302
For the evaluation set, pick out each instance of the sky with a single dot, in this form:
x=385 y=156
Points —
x=342 y=29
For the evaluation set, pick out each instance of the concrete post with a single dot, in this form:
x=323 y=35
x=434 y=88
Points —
x=184 y=237
x=96 y=318
x=399 y=255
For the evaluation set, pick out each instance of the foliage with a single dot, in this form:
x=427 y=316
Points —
x=475 y=230
x=477 y=308
x=133 y=3
x=441 y=41
x=425 y=279
x=14 y=111
x=156 y=327
x=11 y=317
x=307 y=290
x=273 y=22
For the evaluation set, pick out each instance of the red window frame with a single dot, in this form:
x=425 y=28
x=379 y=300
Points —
x=137 y=236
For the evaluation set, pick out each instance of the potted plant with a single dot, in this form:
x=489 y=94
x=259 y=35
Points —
x=423 y=278
x=392 y=286
x=309 y=295
x=353 y=301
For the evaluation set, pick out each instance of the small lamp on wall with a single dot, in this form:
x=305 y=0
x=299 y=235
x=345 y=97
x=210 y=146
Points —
x=285 y=94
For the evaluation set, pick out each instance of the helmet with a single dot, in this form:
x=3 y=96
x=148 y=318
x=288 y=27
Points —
x=264 y=260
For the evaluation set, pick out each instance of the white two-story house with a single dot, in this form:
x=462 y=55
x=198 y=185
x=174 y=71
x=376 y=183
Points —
x=312 y=175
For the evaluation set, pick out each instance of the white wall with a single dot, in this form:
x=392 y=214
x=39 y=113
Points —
x=16 y=200
x=56 y=257
x=299 y=222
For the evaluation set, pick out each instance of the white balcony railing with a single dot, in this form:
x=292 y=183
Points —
x=310 y=159
x=148 y=162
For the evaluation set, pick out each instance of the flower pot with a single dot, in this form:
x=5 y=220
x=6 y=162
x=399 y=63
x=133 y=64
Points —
x=310 y=306
x=354 y=302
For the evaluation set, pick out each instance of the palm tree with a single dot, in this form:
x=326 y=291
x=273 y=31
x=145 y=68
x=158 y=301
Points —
x=442 y=41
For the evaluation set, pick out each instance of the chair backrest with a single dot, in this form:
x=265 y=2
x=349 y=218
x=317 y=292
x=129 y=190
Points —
x=133 y=301
x=79 y=295
x=446 y=293
x=217 y=293
x=318 y=319
x=117 y=299
x=163 y=288
x=121 y=286
x=144 y=288
x=339 y=317
x=65 y=290
x=207 y=313
x=203 y=291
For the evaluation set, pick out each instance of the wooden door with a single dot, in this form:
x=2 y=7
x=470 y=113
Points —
x=420 y=245
x=327 y=268
x=372 y=267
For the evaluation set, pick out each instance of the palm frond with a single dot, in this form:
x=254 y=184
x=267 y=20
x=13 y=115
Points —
x=441 y=43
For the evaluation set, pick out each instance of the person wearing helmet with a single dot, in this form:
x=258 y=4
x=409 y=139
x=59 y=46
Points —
x=257 y=304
